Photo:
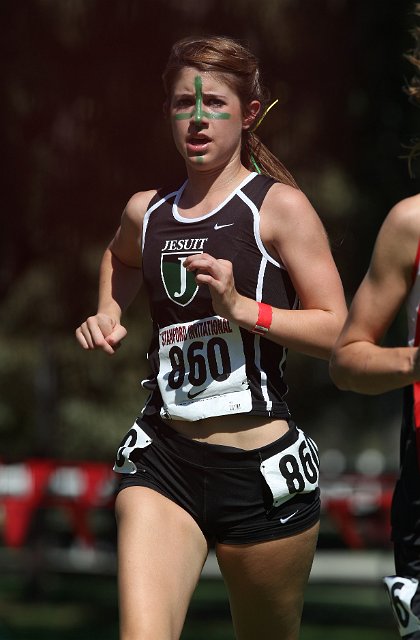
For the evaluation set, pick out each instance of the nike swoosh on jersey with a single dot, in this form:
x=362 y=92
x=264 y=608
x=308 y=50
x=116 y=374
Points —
x=286 y=518
x=221 y=226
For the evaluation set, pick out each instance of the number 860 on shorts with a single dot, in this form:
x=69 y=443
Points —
x=293 y=470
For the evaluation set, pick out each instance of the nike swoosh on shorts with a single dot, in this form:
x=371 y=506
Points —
x=286 y=518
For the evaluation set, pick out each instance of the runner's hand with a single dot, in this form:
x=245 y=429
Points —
x=218 y=275
x=101 y=332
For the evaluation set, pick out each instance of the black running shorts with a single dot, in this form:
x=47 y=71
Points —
x=405 y=510
x=235 y=496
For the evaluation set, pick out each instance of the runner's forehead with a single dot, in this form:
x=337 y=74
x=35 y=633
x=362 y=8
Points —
x=208 y=83
x=205 y=94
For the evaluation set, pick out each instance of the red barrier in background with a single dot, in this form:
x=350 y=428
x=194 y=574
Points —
x=359 y=508
x=34 y=484
x=356 y=506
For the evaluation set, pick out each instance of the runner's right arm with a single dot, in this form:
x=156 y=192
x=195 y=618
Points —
x=120 y=279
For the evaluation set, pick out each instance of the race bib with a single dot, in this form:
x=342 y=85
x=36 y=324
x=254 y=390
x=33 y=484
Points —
x=136 y=438
x=401 y=592
x=202 y=370
x=293 y=470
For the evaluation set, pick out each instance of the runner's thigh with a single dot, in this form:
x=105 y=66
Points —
x=266 y=583
x=161 y=551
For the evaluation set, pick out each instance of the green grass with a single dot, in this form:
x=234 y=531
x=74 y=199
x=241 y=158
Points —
x=85 y=607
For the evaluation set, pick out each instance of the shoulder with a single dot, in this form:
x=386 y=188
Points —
x=400 y=231
x=289 y=204
x=285 y=196
x=127 y=239
x=396 y=245
x=287 y=210
x=404 y=217
x=137 y=205
x=409 y=205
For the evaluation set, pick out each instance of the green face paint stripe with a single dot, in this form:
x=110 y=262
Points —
x=216 y=116
x=198 y=83
x=205 y=114
x=183 y=116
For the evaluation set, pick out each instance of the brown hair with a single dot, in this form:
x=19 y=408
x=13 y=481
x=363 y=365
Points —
x=240 y=70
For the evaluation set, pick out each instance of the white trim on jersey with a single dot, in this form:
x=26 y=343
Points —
x=257 y=350
x=179 y=193
x=263 y=375
x=260 y=281
x=258 y=297
x=257 y=236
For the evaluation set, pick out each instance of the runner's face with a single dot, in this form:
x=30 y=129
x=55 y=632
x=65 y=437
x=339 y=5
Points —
x=206 y=119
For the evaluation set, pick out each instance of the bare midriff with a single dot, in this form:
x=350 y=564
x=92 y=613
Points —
x=241 y=430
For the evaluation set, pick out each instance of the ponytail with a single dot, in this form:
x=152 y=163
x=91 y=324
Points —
x=257 y=157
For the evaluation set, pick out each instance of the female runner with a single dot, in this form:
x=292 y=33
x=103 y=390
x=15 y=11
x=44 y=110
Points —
x=237 y=268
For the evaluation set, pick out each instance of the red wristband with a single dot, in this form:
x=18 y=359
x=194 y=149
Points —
x=265 y=317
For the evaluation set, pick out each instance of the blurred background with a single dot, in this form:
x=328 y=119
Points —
x=82 y=130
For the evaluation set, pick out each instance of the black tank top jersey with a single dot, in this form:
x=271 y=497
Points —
x=405 y=513
x=182 y=312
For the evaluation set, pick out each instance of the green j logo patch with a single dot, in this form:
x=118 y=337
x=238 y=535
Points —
x=180 y=284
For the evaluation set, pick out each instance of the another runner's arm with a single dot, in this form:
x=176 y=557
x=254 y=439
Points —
x=359 y=362
x=119 y=280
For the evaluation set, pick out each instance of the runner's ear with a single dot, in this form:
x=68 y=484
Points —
x=250 y=114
